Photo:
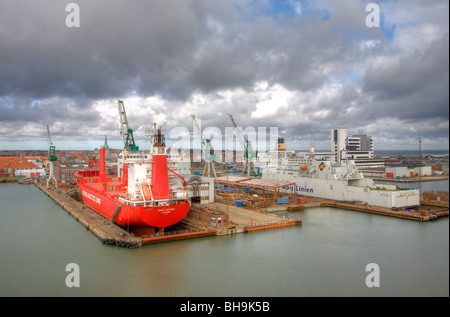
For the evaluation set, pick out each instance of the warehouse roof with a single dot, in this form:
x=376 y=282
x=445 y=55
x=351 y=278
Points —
x=252 y=182
x=230 y=179
x=15 y=163
x=264 y=183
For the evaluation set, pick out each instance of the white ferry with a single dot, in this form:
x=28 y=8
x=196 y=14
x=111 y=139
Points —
x=315 y=177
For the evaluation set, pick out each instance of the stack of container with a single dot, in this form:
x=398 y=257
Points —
x=283 y=200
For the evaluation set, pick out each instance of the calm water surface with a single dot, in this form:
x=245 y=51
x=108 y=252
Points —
x=326 y=256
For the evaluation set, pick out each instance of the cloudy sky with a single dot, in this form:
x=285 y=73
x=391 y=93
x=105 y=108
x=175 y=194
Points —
x=303 y=67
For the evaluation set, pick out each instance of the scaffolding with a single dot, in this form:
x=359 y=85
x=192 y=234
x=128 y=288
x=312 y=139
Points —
x=253 y=192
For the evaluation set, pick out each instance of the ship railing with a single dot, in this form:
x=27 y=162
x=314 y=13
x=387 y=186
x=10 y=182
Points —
x=147 y=203
x=131 y=202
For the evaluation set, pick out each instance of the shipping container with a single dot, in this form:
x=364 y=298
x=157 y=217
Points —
x=301 y=200
x=283 y=200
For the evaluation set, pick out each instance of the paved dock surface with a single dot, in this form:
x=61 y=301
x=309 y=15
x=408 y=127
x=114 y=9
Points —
x=244 y=216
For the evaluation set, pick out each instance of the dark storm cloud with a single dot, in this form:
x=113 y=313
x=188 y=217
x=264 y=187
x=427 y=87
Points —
x=172 y=48
x=321 y=66
x=118 y=47
x=414 y=84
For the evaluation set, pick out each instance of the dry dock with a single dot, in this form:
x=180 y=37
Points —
x=219 y=218
x=108 y=232
x=246 y=220
x=424 y=213
x=241 y=220
x=415 y=179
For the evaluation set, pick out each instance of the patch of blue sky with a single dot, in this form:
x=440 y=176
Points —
x=388 y=31
x=352 y=77
x=281 y=10
x=35 y=103
x=7 y=102
x=385 y=31
x=338 y=80
x=387 y=28
x=269 y=8
x=289 y=8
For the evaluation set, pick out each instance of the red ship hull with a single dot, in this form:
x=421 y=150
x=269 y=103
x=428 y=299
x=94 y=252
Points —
x=104 y=201
x=157 y=206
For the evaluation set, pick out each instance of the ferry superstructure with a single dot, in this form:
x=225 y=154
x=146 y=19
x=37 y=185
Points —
x=316 y=177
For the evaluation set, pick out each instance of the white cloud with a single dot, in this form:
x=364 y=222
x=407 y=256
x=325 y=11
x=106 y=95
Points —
x=272 y=101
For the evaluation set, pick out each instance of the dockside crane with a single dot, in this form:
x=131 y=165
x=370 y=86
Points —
x=207 y=150
x=52 y=158
x=249 y=155
x=126 y=132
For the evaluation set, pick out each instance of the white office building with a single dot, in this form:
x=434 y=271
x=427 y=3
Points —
x=360 y=147
x=339 y=144
x=356 y=147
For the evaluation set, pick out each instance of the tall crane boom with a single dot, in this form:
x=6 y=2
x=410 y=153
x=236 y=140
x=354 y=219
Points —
x=249 y=156
x=127 y=133
x=199 y=133
x=238 y=134
x=207 y=150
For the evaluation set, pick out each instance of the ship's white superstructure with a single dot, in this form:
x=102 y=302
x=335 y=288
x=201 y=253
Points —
x=315 y=177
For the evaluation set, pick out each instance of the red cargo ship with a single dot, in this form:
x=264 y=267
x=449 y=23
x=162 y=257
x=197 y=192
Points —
x=146 y=194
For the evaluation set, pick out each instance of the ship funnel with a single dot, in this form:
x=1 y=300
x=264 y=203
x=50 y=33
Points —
x=160 y=177
x=159 y=139
x=281 y=145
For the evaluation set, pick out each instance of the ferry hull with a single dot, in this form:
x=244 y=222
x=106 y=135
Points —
x=341 y=191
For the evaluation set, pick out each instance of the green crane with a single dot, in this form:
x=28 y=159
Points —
x=126 y=132
x=249 y=155
x=52 y=158
x=208 y=152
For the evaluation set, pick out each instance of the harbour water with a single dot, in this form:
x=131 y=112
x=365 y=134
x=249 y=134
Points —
x=326 y=256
